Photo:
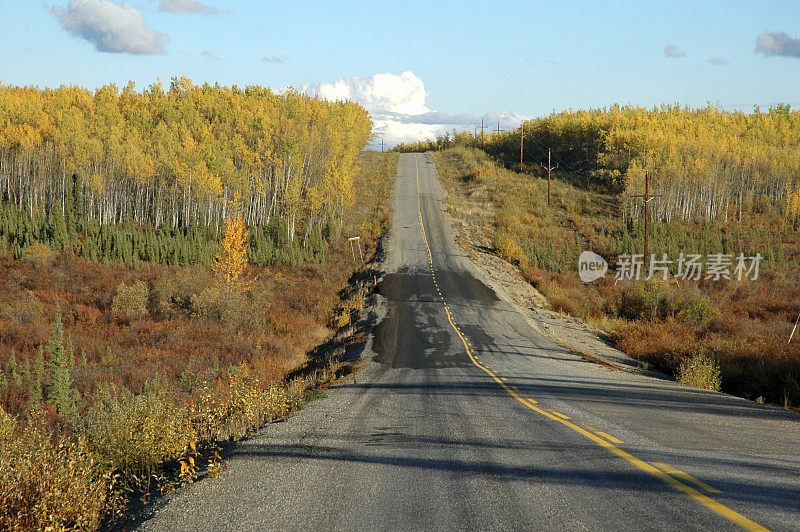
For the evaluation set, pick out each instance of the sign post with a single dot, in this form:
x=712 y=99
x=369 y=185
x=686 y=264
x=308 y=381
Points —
x=357 y=240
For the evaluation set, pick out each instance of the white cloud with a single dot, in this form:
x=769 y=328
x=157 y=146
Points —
x=111 y=27
x=186 y=6
x=508 y=119
x=777 y=43
x=717 y=61
x=673 y=51
x=397 y=104
x=403 y=94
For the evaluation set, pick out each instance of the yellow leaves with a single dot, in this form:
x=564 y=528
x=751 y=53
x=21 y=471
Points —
x=793 y=205
x=287 y=153
x=230 y=264
x=189 y=144
x=188 y=463
x=96 y=183
x=216 y=465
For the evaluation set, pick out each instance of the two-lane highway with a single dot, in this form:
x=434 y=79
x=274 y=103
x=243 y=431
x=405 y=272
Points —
x=467 y=418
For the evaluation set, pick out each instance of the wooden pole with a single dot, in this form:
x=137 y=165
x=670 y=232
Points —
x=646 y=197
x=646 y=212
x=549 y=168
x=521 y=136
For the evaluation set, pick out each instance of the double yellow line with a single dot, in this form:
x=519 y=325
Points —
x=662 y=474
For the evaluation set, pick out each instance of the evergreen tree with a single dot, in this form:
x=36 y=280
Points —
x=36 y=396
x=57 y=230
x=59 y=392
x=13 y=370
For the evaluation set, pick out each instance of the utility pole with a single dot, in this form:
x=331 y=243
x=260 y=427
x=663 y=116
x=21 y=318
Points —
x=521 y=137
x=549 y=169
x=482 y=128
x=646 y=197
x=381 y=144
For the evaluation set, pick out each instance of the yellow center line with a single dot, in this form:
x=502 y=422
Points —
x=559 y=414
x=609 y=437
x=605 y=435
x=685 y=476
x=701 y=498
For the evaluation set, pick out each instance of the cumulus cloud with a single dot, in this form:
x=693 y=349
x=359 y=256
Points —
x=777 y=43
x=111 y=27
x=186 y=6
x=403 y=94
x=673 y=51
x=397 y=104
x=717 y=61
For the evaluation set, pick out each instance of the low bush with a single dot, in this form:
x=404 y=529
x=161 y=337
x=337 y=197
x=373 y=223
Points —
x=693 y=307
x=242 y=405
x=130 y=302
x=648 y=300
x=47 y=484
x=39 y=254
x=218 y=304
x=508 y=250
x=173 y=291
x=701 y=370
x=135 y=434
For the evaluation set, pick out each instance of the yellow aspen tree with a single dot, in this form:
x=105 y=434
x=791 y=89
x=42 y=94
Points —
x=793 y=205
x=230 y=264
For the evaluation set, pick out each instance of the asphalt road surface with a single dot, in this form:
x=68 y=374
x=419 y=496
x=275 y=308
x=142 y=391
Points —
x=466 y=418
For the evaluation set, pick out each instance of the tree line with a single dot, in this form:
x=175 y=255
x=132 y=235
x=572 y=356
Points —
x=172 y=159
x=705 y=163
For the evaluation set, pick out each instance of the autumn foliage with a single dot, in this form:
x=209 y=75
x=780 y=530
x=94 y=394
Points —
x=230 y=265
x=704 y=162
x=736 y=332
x=142 y=370
x=174 y=157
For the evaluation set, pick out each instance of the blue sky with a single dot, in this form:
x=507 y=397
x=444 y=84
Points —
x=467 y=58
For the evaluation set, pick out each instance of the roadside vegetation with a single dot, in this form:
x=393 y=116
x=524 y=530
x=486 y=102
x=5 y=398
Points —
x=150 y=314
x=727 y=334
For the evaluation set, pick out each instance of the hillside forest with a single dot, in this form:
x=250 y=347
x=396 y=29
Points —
x=724 y=183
